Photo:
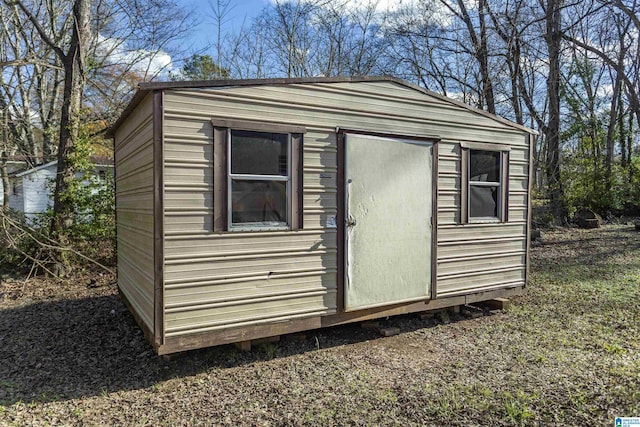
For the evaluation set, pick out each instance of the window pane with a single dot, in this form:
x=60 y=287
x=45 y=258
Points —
x=259 y=153
x=484 y=166
x=483 y=201
x=262 y=202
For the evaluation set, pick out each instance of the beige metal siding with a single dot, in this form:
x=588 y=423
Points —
x=218 y=280
x=476 y=257
x=134 y=208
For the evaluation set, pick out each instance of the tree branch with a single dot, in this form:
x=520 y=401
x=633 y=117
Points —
x=43 y=34
x=633 y=94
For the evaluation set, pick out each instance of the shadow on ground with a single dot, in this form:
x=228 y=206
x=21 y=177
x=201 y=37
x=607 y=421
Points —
x=589 y=249
x=65 y=349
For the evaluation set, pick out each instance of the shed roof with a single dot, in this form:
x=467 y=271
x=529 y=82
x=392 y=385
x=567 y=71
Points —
x=145 y=88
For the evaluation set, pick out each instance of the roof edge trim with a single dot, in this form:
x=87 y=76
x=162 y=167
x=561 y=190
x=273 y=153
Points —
x=145 y=88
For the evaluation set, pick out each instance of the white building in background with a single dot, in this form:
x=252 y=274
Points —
x=31 y=190
x=13 y=166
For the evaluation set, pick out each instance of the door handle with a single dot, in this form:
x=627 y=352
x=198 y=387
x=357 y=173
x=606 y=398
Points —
x=350 y=221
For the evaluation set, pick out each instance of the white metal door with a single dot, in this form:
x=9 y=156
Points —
x=388 y=221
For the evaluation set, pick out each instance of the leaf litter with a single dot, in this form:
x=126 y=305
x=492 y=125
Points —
x=566 y=352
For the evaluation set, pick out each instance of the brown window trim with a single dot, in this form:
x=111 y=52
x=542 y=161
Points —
x=257 y=126
x=464 y=180
x=220 y=169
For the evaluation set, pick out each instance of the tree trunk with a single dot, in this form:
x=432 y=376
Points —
x=4 y=157
x=69 y=120
x=621 y=134
x=483 y=54
x=630 y=149
x=4 y=175
x=610 y=133
x=514 y=72
x=48 y=96
x=480 y=51
x=552 y=130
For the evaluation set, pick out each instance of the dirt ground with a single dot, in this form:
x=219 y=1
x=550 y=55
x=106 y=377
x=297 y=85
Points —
x=565 y=353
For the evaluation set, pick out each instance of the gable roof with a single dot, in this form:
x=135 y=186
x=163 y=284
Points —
x=96 y=160
x=34 y=169
x=146 y=88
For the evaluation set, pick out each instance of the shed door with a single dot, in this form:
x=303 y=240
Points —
x=388 y=221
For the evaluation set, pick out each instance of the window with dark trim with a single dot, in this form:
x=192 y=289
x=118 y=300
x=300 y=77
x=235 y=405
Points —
x=259 y=179
x=257 y=176
x=484 y=183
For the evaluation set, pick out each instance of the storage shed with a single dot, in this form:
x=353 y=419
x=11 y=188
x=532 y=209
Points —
x=253 y=208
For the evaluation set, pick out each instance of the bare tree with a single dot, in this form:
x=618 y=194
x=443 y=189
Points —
x=73 y=59
x=348 y=40
x=508 y=25
x=75 y=54
x=291 y=36
x=30 y=83
x=131 y=41
x=553 y=39
x=477 y=32
x=220 y=10
x=631 y=75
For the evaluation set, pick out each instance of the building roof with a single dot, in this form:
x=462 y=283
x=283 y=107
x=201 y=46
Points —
x=15 y=166
x=18 y=174
x=97 y=160
x=146 y=88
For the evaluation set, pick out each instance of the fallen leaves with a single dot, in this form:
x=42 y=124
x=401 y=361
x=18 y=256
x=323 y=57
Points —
x=566 y=352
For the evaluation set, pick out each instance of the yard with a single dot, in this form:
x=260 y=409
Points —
x=565 y=353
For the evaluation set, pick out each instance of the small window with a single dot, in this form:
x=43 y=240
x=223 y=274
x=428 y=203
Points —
x=484 y=184
x=15 y=188
x=259 y=179
x=484 y=195
x=257 y=176
x=102 y=175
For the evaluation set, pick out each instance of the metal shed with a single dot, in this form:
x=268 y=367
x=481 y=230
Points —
x=253 y=208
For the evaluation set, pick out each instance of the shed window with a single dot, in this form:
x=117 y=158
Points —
x=257 y=176
x=259 y=181
x=484 y=196
x=484 y=184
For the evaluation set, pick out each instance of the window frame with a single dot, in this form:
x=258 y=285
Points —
x=466 y=183
x=222 y=176
x=252 y=177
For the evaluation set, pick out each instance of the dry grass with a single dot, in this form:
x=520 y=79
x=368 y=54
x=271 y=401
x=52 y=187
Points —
x=566 y=353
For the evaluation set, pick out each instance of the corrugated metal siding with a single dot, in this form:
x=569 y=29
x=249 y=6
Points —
x=134 y=207
x=214 y=280
x=475 y=257
x=223 y=280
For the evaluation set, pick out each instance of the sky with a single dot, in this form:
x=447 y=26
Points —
x=243 y=11
x=202 y=37
x=239 y=12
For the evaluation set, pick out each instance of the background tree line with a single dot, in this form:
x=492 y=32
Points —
x=570 y=70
